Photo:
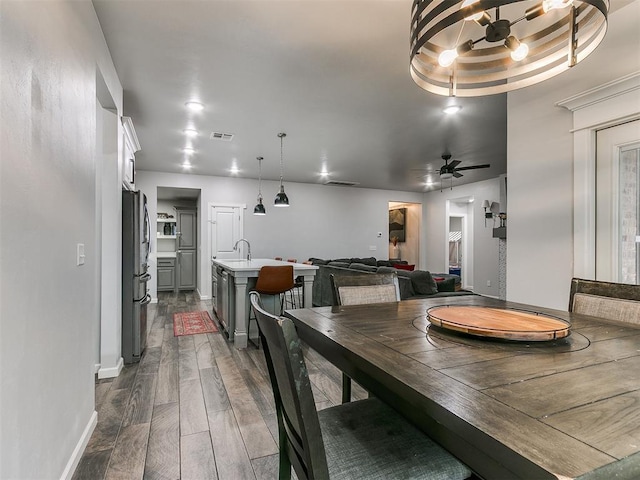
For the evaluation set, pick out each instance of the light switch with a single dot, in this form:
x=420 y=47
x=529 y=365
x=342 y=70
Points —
x=80 y=254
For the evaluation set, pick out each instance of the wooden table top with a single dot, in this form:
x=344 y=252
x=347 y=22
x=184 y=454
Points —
x=554 y=409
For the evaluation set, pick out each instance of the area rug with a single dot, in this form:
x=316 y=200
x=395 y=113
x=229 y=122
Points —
x=192 y=323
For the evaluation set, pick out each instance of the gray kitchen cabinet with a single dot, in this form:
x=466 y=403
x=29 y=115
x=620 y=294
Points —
x=186 y=248
x=187 y=229
x=166 y=274
x=187 y=268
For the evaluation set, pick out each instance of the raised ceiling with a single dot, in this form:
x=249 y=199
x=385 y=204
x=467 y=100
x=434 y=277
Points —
x=333 y=75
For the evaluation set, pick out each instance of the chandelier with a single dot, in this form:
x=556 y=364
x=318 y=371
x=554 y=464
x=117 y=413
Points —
x=471 y=48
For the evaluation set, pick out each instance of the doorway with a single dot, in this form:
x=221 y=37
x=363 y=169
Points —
x=459 y=240
x=178 y=238
x=405 y=221
x=618 y=203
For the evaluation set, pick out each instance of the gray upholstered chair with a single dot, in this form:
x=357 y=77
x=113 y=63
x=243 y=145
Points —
x=366 y=288
x=364 y=439
x=360 y=290
x=612 y=301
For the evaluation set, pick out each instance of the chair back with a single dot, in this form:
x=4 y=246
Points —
x=366 y=288
x=298 y=424
x=273 y=280
x=608 y=300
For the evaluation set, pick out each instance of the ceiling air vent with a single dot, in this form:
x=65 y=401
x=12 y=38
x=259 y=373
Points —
x=341 y=183
x=223 y=137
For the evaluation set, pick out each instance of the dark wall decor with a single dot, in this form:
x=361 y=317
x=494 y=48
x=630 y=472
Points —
x=397 y=224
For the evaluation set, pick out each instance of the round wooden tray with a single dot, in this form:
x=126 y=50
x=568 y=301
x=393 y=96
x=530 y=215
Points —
x=500 y=323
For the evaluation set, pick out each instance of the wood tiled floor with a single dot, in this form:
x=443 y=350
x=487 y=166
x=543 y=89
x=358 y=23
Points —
x=193 y=408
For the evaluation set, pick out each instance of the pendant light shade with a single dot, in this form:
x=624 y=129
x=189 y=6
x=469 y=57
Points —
x=281 y=198
x=259 y=208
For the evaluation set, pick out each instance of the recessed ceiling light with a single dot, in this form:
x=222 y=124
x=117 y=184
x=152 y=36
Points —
x=451 y=109
x=188 y=150
x=190 y=132
x=194 y=106
x=186 y=165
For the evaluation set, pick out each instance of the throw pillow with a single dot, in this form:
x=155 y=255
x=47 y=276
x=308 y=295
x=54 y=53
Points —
x=338 y=264
x=423 y=283
x=448 y=285
x=365 y=261
x=318 y=261
x=362 y=267
x=384 y=269
x=402 y=266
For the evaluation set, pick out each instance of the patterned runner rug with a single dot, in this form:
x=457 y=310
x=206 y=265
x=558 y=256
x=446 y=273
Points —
x=192 y=323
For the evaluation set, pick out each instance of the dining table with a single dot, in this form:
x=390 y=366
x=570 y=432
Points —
x=562 y=408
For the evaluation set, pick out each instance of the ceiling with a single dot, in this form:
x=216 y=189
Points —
x=333 y=75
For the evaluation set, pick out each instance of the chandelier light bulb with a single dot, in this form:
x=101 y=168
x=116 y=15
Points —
x=519 y=50
x=520 y=53
x=548 y=5
x=474 y=17
x=447 y=57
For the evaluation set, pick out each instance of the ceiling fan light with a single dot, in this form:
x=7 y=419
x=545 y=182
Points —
x=446 y=175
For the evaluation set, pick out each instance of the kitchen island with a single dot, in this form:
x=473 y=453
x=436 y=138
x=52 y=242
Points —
x=231 y=282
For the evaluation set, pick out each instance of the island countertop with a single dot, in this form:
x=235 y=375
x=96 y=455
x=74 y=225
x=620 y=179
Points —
x=235 y=266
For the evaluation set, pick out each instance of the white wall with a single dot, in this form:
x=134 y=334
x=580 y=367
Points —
x=485 y=247
x=322 y=221
x=48 y=309
x=540 y=166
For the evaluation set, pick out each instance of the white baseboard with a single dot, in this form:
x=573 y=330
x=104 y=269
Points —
x=96 y=368
x=111 y=372
x=73 y=462
x=203 y=297
x=154 y=300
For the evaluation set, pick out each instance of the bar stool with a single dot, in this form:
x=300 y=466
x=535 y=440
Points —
x=296 y=294
x=275 y=280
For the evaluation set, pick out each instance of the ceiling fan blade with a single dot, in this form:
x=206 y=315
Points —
x=473 y=167
x=454 y=164
x=456 y=174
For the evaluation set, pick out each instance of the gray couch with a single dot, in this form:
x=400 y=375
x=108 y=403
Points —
x=413 y=284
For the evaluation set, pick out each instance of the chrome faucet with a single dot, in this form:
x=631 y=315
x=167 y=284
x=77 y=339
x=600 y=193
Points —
x=235 y=247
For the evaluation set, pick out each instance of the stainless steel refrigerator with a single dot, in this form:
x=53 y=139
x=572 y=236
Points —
x=136 y=237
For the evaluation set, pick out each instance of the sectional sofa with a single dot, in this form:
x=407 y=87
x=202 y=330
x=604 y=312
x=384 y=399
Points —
x=413 y=284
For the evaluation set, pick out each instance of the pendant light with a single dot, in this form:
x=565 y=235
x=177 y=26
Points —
x=259 y=208
x=281 y=198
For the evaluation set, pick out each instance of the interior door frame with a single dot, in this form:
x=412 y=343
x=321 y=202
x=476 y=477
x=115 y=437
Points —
x=241 y=207
x=604 y=106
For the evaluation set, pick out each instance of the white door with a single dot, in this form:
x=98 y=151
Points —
x=225 y=225
x=618 y=203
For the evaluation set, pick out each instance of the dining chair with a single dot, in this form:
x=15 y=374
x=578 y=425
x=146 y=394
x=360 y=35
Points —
x=363 y=439
x=364 y=289
x=612 y=301
x=360 y=290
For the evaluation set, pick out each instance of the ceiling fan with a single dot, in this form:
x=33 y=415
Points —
x=449 y=170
